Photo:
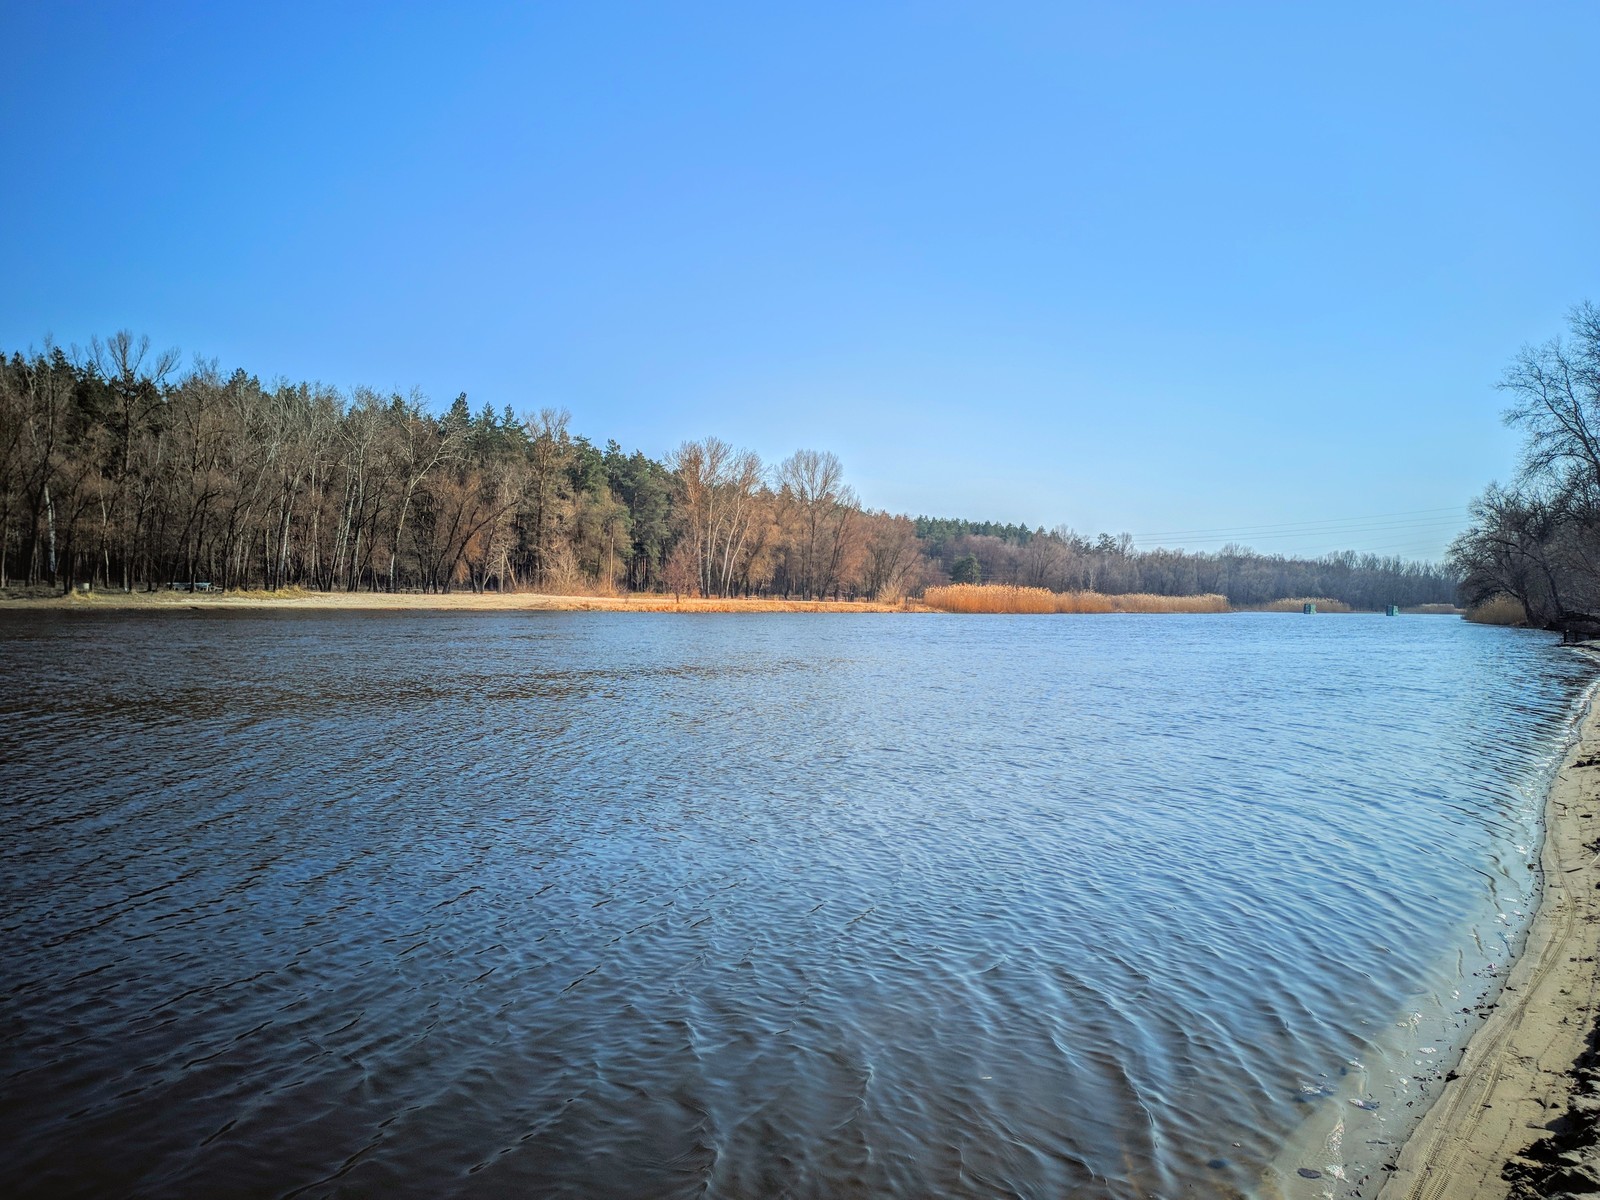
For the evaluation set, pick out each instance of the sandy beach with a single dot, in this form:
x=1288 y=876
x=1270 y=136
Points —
x=448 y=602
x=1517 y=1117
x=1089 y=602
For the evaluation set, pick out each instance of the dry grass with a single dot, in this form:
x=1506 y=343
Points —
x=1501 y=610
x=1297 y=604
x=467 y=601
x=1144 y=602
x=1002 y=598
x=32 y=593
x=1431 y=610
x=295 y=592
x=989 y=598
x=650 y=602
x=1085 y=602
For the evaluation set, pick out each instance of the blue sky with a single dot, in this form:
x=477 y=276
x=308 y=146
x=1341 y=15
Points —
x=1195 y=272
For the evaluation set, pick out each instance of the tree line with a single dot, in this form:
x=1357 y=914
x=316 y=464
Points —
x=1065 y=561
x=1537 y=539
x=117 y=470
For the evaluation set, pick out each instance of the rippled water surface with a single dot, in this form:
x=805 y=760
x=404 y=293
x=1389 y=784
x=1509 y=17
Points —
x=628 y=905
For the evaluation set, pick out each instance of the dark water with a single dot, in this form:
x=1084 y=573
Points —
x=625 y=905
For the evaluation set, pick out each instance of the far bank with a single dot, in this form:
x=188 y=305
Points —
x=989 y=599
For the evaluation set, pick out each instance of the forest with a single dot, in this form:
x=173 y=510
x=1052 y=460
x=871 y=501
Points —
x=1536 y=540
x=118 y=470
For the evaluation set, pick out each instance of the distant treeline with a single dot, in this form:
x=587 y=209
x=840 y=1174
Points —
x=1538 y=539
x=1064 y=561
x=942 y=529
x=115 y=470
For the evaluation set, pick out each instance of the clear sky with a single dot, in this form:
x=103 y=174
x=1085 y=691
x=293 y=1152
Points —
x=1198 y=272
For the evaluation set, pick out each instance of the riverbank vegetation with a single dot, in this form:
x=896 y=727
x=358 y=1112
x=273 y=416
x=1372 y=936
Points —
x=118 y=469
x=1498 y=610
x=1323 y=604
x=1534 y=544
x=1005 y=598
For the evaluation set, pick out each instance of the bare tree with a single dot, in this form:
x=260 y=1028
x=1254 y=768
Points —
x=422 y=446
x=812 y=483
x=136 y=390
x=892 y=556
x=548 y=498
x=1539 y=541
x=1555 y=391
x=718 y=487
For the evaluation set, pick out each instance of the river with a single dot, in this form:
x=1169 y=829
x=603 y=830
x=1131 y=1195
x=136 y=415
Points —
x=588 y=904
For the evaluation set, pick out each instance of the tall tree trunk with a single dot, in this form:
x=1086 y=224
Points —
x=50 y=518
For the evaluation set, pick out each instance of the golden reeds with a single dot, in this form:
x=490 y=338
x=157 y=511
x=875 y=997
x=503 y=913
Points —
x=1498 y=610
x=990 y=598
x=1003 y=598
x=460 y=601
x=1298 y=604
x=1083 y=602
x=651 y=602
x=1145 y=602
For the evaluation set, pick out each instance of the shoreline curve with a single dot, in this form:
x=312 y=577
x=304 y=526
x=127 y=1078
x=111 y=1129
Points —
x=1515 y=1080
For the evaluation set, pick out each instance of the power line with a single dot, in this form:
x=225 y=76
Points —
x=1419 y=528
x=1379 y=547
x=1331 y=523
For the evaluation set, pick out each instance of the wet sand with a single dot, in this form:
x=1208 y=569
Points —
x=448 y=602
x=1521 y=1077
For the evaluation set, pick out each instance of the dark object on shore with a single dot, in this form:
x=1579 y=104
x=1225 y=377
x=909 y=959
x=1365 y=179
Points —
x=1577 y=627
x=1567 y=1163
x=1309 y=609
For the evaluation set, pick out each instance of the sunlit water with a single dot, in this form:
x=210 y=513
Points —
x=626 y=905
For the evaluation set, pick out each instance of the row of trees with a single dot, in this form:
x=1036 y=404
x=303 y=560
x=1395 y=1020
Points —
x=115 y=470
x=1065 y=561
x=112 y=472
x=1537 y=539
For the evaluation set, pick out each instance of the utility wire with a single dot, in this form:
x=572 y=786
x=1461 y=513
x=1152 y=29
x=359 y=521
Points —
x=1419 y=528
x=1460 y=510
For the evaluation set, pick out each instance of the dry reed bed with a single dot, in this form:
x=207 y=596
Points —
x=1003 y=598
x=1298 y=603
x=465 y=601
x=953 y=598
x=1499 y=610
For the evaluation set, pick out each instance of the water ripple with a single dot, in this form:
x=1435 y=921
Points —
x=577 y=904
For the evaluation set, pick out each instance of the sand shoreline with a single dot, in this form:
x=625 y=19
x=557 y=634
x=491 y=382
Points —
x=39 y=599
x=117 y=601
x=1517 y=1076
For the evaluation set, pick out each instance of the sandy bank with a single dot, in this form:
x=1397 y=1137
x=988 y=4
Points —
x=1516 y=1079
x=450 y=602
x=537 y=602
